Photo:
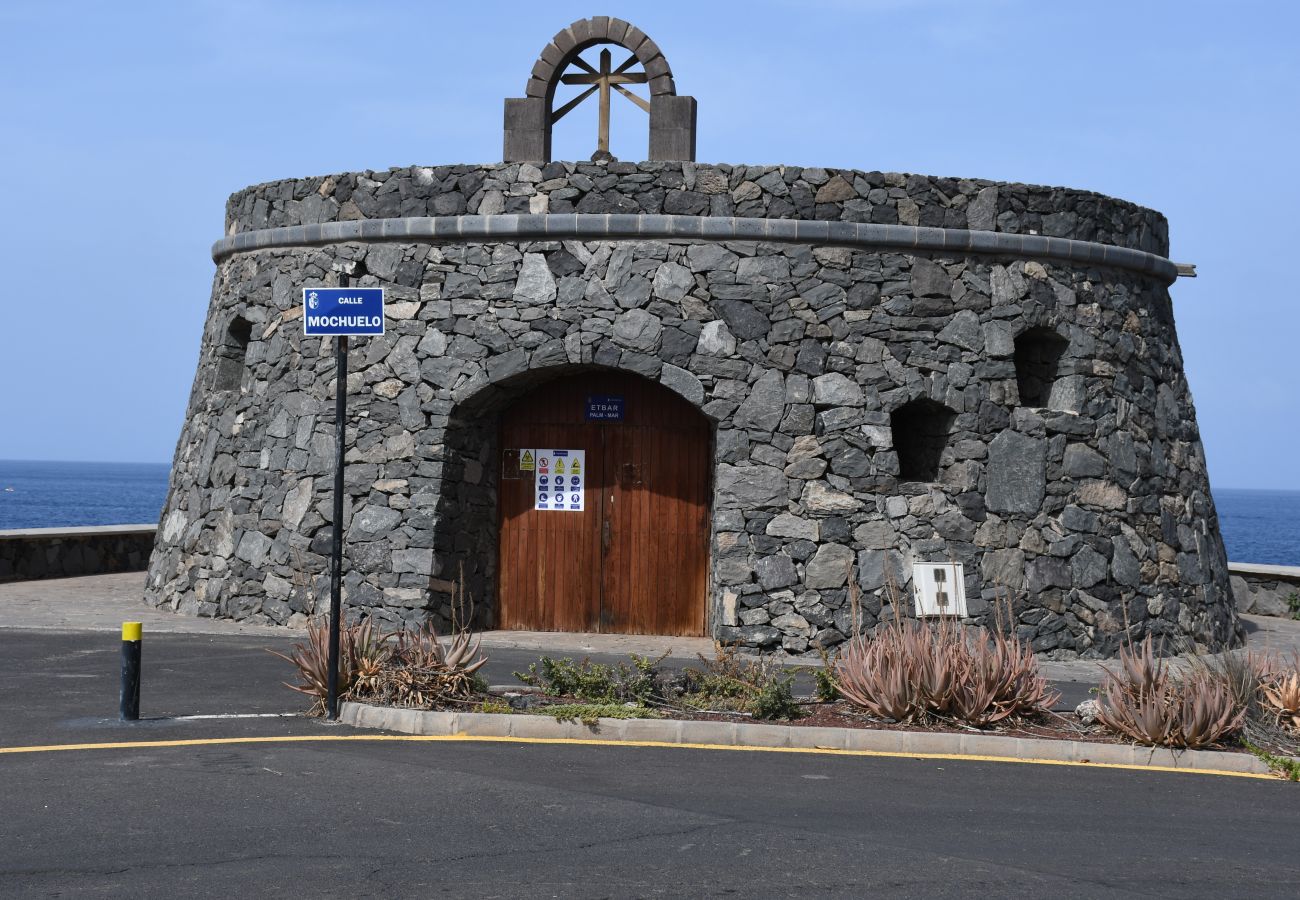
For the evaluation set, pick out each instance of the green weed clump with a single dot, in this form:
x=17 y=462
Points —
x=729 y=683
x=724 y=684
x=588 y=713
x=826 y=689
x=594 y=683
x=1285 y=766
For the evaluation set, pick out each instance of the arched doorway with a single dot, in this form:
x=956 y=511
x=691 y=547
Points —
x=633 y=558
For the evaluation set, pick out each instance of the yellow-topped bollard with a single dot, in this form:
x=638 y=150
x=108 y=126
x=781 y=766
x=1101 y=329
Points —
x=129 y=704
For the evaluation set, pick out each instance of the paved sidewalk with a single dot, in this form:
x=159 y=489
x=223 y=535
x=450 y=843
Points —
x=103 y=602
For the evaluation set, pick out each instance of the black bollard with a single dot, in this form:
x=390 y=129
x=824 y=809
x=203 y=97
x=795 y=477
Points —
x=129 y=707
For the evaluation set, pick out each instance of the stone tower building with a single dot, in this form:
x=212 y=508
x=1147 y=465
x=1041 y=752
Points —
x=786 y=386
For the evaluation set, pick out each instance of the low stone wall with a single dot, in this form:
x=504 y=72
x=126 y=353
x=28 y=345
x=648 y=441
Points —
x=1266 y=590
x=30 y=553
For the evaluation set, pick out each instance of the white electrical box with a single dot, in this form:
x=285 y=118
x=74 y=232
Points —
x=940 y=589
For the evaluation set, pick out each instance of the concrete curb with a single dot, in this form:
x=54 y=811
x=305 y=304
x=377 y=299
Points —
x=986 y=747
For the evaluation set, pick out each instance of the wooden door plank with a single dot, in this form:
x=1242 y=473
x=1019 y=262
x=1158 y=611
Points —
x=652 y=578
x=545 y=556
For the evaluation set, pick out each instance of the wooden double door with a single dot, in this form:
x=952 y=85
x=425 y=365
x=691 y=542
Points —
x=634 y=559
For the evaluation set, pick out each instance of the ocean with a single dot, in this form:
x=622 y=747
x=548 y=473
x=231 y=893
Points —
x=1261 y=527
x=54 y=494
x=1258 y=526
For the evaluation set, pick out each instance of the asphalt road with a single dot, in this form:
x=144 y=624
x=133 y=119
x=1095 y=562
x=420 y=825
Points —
x=347 y=818
x=63 y=686
x=510 y=820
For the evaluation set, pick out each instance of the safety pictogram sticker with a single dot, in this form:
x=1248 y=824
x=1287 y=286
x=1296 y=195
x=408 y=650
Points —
x=559 y=479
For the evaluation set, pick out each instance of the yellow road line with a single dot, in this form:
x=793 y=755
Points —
x=465 y=738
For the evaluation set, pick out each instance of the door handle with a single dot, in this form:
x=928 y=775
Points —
x=604 y=535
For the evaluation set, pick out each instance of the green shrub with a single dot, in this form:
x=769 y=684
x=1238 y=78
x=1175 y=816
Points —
x=826 y=689
x=729 y=683
x=774 y=700
x=590 y=682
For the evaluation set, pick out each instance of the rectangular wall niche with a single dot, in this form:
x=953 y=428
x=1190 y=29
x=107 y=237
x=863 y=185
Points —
x=233 y=354
x=1039 y=352
x=921 y=429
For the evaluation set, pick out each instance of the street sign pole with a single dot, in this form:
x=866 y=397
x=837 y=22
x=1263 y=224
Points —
x=336 y=550
x=339 y=312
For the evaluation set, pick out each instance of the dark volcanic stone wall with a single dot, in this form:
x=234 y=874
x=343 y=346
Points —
x=767 y=192
x=1088 y=514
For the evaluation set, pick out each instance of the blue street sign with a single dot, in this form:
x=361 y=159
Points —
x=342 y=311
x=604 y=408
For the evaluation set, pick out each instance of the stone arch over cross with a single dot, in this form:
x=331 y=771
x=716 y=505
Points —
x=530 y=119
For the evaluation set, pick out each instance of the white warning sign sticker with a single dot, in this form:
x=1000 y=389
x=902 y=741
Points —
x=559 y=481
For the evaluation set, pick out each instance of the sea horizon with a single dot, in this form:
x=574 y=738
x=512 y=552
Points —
x=1259 y=525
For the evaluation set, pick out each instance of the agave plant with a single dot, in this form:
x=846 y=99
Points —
x=1003 y=681
x=1204 y=711
x=872 y=672
x=1145 y=702
x=363 y=650
x=421 y=672
x=1280 y=691
x=941 y=663
x=909 y=671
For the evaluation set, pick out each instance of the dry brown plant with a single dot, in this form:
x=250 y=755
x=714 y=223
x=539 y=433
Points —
x=363 y=650
x=422 y=671
x=1280 y=691
x=1147 y=703
x=912 y=671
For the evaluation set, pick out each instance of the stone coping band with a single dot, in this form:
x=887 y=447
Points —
x=1284 y=573
x=742 y=735
x=625 y=226
x=35 y=534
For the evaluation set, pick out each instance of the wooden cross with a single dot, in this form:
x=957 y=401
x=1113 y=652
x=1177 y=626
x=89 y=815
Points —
x=602 y=81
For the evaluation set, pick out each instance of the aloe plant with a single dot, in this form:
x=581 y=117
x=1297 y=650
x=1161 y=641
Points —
x=420 y=671
x=1147 y=703
x=363 y=650
x=909 y=671
x=1280 y=691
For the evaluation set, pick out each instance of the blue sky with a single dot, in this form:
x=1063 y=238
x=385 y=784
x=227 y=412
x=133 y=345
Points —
x=127 y=126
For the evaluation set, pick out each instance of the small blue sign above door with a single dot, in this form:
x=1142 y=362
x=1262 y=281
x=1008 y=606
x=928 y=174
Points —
x=604 y=408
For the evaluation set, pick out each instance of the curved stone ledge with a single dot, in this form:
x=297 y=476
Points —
x=618 y=226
